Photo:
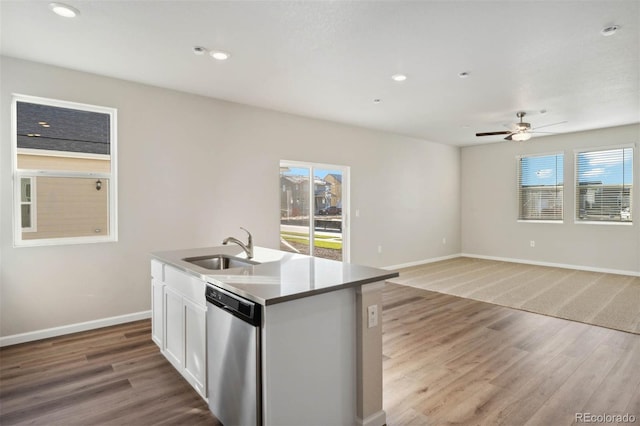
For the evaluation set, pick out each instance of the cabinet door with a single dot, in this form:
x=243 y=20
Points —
x=157 y=289
x=173 y=348
x=195 y=360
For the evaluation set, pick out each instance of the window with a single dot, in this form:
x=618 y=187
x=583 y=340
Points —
x=604 y=185
x=312 y=198
x=27 y=204
x=63 y=163
x=540 y=187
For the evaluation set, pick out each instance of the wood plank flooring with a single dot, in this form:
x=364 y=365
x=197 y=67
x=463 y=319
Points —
x=447 y=360
x=110 y=376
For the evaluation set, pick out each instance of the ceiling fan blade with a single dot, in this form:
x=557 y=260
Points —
x=493 y=133
x=547 y=133
x=552 y=124
x=510 y=137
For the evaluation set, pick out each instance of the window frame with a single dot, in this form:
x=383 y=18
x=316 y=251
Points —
x=519 y=186
x=32 y=203
x=18 y=174
x=346 y=193
x=576 y=184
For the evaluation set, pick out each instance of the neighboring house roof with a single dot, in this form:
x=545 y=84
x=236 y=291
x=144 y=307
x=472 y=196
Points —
x=295 y=178
x=337 y=177
x=68 y=129
x=303 y=178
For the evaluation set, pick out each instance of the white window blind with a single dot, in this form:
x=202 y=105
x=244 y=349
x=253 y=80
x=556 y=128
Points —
x=540 y=187
x=604 y=185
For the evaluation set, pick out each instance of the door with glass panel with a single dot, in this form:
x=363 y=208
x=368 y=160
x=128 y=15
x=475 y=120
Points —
x=313 y=209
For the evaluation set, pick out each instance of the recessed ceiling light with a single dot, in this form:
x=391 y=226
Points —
x=220 y=55
x=199 y=50
x=610 y=30
x=463 y=74
x=398 y=77
x=64 y=10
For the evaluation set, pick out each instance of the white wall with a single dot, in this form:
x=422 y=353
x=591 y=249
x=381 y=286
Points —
x=194 y=169
x=490 y=207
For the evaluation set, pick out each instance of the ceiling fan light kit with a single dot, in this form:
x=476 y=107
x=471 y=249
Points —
x=521 y=131
x=521 y=136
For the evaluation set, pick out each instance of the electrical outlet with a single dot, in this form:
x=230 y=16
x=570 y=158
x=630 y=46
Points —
x=444 y=240
x=532 y=243
x=379 y=249
x=357 y=212
x=372 y=315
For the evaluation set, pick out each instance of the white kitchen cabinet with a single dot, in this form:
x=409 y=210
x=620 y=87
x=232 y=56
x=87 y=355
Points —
x=173 y=348
x=157 y=296
x=157 y=321
x=320 y=359
x=179 y=322
x=195 y=361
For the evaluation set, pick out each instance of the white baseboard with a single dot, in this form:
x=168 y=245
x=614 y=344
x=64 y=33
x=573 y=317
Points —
x=420 y=262
x=72 y=328
x=555 y=265
x=512 y=260
x=376 y=419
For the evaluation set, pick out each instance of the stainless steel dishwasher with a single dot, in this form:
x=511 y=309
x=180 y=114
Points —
x=233 y=358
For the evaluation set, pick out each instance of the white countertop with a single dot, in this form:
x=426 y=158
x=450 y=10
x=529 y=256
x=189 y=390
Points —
x=280 y=276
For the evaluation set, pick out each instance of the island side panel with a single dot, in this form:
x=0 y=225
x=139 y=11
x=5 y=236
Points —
x=309 y=360
x=369 y=356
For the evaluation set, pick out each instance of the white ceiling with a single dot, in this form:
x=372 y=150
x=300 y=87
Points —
x=330 y=59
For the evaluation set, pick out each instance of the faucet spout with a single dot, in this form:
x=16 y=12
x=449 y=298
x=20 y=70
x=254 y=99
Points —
x=248 y=248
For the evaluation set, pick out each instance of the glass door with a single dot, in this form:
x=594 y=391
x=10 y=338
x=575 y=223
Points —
x=313 y=207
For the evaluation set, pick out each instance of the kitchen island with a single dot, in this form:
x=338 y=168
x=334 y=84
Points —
x=320 y=332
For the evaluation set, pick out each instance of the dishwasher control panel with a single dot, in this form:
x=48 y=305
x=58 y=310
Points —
x=240 y=307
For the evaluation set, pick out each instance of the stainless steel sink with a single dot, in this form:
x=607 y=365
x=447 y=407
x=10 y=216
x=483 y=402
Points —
x=219 y=262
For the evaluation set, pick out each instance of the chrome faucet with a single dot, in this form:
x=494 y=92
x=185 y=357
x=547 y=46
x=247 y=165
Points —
x=248 y=248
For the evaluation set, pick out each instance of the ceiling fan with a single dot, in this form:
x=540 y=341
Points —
x=520 y=131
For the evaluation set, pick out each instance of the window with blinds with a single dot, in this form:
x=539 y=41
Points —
x=540 y=187
x=604 y=185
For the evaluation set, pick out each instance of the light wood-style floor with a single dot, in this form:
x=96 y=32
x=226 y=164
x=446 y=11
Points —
x=447 y=360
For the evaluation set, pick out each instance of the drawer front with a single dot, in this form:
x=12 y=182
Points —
x=186 y=284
